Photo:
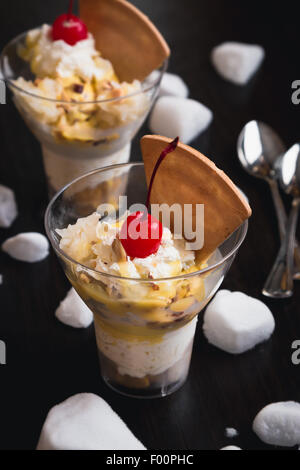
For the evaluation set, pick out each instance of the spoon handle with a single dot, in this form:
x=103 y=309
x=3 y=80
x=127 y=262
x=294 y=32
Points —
x=282 y=220
x=279 y=207
x=280 y=281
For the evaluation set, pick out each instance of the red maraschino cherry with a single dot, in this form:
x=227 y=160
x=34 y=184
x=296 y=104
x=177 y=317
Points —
x=69 y=28
x=148 y=231
x=141 y=233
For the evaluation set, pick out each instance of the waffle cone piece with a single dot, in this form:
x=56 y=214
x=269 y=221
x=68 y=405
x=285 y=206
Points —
x=188 y=177
x=125 y=36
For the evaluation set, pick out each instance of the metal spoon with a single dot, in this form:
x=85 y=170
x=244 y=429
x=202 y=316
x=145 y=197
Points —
x=280 y=281
x=259 y=148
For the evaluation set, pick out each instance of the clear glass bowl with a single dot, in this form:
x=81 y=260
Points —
x=144 y=327
x=72 y=150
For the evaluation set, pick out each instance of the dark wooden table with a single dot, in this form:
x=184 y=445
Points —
x=47 y=361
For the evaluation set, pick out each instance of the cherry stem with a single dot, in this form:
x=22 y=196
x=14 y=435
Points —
x=70 y=9
x=170 y=148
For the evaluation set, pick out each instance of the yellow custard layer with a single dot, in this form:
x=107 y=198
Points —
x=147 y=311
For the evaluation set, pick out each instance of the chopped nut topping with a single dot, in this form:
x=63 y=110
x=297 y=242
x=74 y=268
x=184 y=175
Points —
x=116 y=93
x=65 y=97
x=107 y=85
x=84 y=278
x=77 y=88
x=119 y=250
x=154 y=286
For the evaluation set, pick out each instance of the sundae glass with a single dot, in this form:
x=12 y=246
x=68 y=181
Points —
x=145 y=309
x=72 y=100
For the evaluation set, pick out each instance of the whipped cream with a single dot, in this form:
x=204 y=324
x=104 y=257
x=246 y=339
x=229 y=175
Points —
x=58 y=59
x=91 y=240
x=43 y=110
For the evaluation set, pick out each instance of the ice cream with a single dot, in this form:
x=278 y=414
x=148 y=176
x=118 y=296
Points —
x=143 y=282
x=74 y=103
x=85 y=85
x=144 y=330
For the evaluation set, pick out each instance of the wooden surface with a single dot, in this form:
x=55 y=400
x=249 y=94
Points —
x=47 y=361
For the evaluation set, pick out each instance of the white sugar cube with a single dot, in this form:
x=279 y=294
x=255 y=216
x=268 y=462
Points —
x=231 y=448
x=73 y=311
x=171 y=84
x=8 y=207
x=235 y=322
x=278 y=424
x=86 y=422
x=173 y=116
x=231 y=433
x=237 y=62
x=30 y=247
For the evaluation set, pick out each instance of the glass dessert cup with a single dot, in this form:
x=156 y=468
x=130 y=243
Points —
x=144 y=327
x=72 y=150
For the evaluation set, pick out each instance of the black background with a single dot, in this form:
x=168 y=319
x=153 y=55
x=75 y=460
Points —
x=47 y=361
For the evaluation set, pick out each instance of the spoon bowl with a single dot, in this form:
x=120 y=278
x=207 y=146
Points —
x=289 y=171
x=259 y=150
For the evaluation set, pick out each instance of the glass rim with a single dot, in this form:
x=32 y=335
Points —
x=243 y=227
x=162 y=69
